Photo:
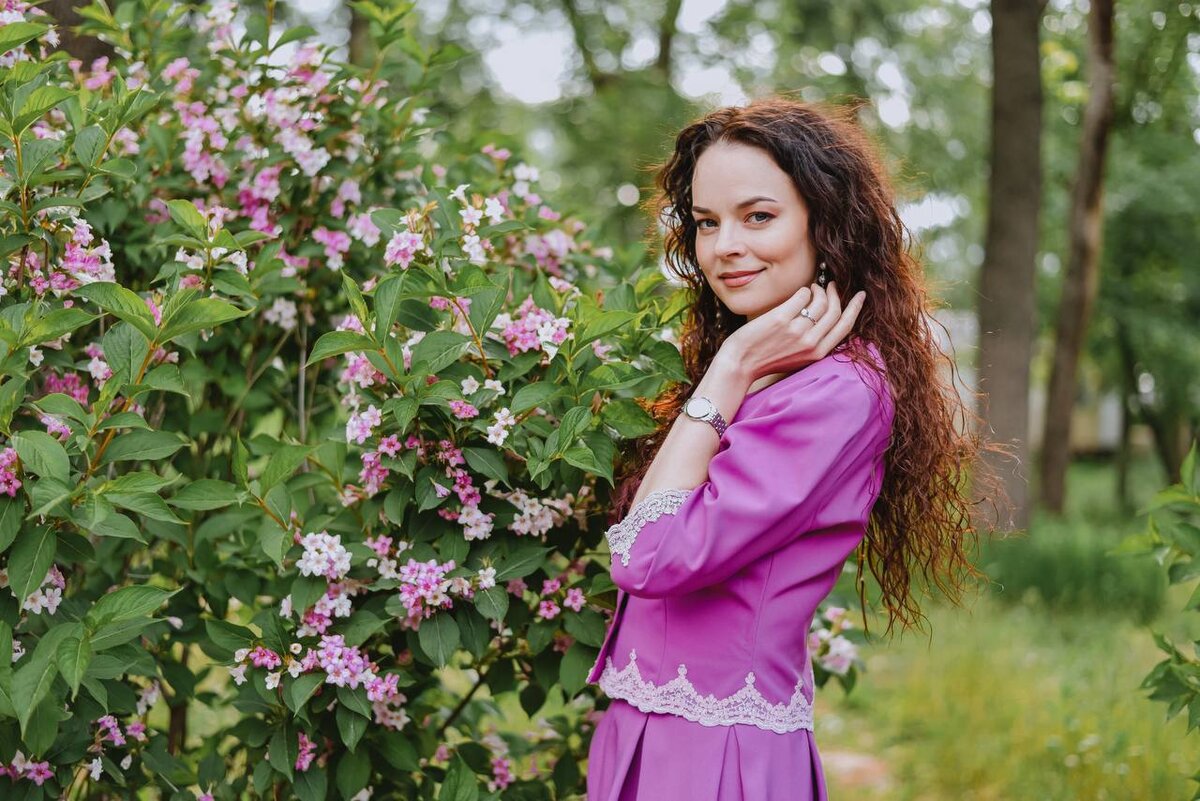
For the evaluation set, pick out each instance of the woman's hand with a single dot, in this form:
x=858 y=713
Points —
x=784 y=340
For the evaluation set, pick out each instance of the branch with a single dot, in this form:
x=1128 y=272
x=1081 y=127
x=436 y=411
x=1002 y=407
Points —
x=598 y=77
x=666 y=36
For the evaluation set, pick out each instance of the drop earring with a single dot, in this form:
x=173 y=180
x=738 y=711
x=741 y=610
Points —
x=822 y=275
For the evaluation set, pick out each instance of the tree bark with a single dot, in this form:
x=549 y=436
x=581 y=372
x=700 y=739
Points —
x=1006 y=287
x=1083 y=257
x=666 y=37
x=85 y=48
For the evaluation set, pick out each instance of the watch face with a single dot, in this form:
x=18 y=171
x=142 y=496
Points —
x=698 y=408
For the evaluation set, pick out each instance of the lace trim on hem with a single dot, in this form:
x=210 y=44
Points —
x=678 y=697
x=622 y=535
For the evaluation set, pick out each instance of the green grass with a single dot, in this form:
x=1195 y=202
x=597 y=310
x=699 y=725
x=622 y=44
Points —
x=1009 y=702
x=1031 y=690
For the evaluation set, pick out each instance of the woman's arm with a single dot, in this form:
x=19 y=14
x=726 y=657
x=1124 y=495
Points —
x=779 y=341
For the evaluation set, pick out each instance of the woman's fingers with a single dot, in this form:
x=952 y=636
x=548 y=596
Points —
x=844 y=325
x=816 y=309
x=829 y=316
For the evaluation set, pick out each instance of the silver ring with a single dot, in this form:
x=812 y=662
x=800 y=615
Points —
x=807 y=315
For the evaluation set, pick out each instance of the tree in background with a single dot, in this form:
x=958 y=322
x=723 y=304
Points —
x=1083 y=256
x=1006 y=287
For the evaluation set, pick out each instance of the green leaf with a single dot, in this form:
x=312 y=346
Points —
x=604 y=323
x=229 y=636
x=460 y=784
x=165 y=378
x=74 y=655
x=110 y=635
x=56 y=323
x=300 y=690
x=125 y=349
x=89 y=145
x=142 y=445
x=492 y=603
x=122 y=303
x=576 y=665
x=487 y=462
x=627 y=418
x=525 y=559
x=15 y=34
x=31 y=683
x=355 y=700
x=335 y=343
x=10 y=522
x=357 y=304
x=40 y=101
x=353 y=773
x=205 y=494
x=388 y=295
x=188 y=217
x=306 y=591
x=42 y=454
x=438 y=350
x=199 y=314
x=282 y=751
x=283 y=463
x=127 y=603
x=351 y=726
x=586 y=626
x=144 y=503
x=30 y=560
x=312 y=784
x=534 y=395
x=119 y=526
x=439 y=637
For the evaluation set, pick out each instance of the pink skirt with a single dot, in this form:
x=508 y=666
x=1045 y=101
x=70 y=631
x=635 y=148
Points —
x=639 y=756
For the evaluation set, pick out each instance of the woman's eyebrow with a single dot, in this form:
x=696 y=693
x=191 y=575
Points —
x=742 y=205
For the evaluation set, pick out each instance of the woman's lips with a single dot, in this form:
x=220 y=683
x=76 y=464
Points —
x=740 y=279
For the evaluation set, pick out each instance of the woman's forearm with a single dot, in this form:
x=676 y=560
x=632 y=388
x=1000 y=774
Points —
x=682 y=461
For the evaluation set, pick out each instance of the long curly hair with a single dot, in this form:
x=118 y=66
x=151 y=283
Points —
x=922 y=524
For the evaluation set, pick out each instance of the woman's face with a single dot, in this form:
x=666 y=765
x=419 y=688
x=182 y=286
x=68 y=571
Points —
x=752 y=229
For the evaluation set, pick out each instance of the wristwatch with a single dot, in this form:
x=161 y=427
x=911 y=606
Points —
x=701 y=408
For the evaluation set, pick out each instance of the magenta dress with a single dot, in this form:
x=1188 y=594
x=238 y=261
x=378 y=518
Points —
x=706 y=658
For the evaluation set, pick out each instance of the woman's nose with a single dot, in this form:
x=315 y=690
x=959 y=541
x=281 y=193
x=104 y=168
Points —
x=729 y=242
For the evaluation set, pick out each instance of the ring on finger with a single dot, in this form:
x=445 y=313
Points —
x=806 y=313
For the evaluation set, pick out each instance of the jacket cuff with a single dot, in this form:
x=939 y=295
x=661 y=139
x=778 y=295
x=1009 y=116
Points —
x=622 y=535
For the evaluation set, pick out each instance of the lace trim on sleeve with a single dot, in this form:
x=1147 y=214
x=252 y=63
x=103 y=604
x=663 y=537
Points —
x=622 y=535
x=679 y=697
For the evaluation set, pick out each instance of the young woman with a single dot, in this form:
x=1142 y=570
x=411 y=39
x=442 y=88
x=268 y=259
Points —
x=808 y=429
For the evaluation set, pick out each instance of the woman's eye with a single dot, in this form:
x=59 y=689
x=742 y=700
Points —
x=701 y=223
x=760 y=216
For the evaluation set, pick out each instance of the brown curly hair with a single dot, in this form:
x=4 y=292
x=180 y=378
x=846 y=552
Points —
x=922 y=524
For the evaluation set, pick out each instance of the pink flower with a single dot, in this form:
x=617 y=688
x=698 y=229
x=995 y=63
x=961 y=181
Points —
x=402 y=249
x=548 y=610
x=307 y=750
x=265 y=658
x=551 y=586
x=462 y=410
x=574 y=599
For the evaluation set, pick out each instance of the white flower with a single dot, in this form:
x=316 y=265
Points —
x=324 y=555
x=459 y=193
x=35 y=356
x=240 y=654
x=239 y=674
x=272 y=680
x=471 y=215
x=95 y=767
x=523 y=172
x=494 y=385
x=126 y=762
x=470 y=385
x=487 y=578
x=493 y=209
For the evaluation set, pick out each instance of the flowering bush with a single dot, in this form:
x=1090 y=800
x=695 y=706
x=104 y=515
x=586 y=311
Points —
x=1172 y=536
x=307 y=423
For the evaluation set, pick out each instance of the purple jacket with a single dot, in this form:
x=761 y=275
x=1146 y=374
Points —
x=717 y=585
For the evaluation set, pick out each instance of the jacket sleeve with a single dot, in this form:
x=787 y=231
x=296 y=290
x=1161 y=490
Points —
x=773 y=474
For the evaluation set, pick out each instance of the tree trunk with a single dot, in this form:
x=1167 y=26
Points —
x=85 y=48
x=360 y=38
x=1006 y=286
x=1083 y=259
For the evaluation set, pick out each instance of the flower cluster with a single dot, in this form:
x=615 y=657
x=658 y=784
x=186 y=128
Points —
x=9 y=483
x=828 y=649
x=48 y=596
x=532 y=328
x=22 y=768
x=324 y=555
x=424 y=589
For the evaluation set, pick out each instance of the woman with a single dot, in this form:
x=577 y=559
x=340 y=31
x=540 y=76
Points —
x=808 y=430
